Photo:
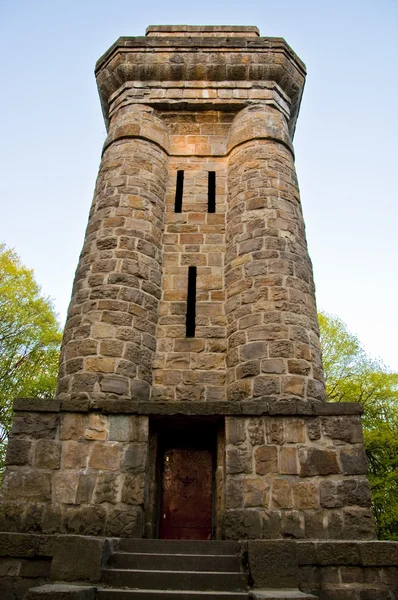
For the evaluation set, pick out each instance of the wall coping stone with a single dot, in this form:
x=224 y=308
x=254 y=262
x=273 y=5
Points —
x=245 y=408
x=219 y=30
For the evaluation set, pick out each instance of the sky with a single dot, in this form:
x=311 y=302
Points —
x=52 y=132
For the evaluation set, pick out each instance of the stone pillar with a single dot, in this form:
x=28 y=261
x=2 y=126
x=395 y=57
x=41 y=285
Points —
x=109 y=337
x=273 y=338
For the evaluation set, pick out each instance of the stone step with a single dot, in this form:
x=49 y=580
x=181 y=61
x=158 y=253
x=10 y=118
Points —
x=144 y=546
x=119 y=594
x=60 y=591
x=281 y=594
x=175 y=580
x=175 y=562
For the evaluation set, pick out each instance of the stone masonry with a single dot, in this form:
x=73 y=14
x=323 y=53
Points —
x=194 y=113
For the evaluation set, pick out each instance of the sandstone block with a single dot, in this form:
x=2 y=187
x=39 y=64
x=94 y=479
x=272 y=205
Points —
x=281 y=494
x=135 y=457
x=266 y=385
x=238 y=460
x=253 y=350
x=293 y=524
x=18 y=451
x=75 y=454
x=234 y=493
x=317 y=461
x=119 y=428
x=27 y=486
x=255 y=431
x=294 y=431
x=90 y=551
x=115 y=385
x=266 y=460
x=96 y=427
x=243 y=524
x=105 y=456
x=235 y=431
x=273 y=365
x=65 y=486
x=305 y=495
x=256 y=493
x=125 y=522
x=273 y=563
x=107 y=488
x=347 y=492
x=47 y=454
x=85 y=488
x=288 y=461
x=353 y=460
x=72 y=426
x=134 y=489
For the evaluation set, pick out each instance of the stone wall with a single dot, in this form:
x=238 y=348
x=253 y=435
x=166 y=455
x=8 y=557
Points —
x=76 y=473
x=109 y=337
x=296 y=477
x=273 y=336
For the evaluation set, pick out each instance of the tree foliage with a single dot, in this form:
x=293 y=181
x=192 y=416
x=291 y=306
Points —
x=353 y=376
x=29 y=340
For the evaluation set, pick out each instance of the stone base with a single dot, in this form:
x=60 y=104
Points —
x=328 y=570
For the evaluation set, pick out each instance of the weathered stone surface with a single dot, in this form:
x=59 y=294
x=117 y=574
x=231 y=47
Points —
x=125 y=522
x=305 y=495
x=348 y=492
x=35 y=425
x=288 y=461
x=18 y=452
x=75 y=454
x=47 y=455
x=65 y=486
x=28 y=486
x=105 y=456
x=92 y=553
x=134 y=489
x=273 y=564
x=119 y=428
x=353 y=460
x=243 y=524
x=238 y=460
x=266 y=459
x=107 y=488
x=281 y=494
x=317 y=461
x=60 y=591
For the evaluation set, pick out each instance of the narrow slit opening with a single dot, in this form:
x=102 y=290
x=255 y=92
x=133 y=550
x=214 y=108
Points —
x=191 y=302
x=211 y=197
x=179 y=192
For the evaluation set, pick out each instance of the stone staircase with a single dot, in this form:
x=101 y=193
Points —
x=174 y=570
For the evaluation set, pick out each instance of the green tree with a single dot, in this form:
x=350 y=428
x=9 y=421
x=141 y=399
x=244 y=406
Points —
x=30 y=337
x=353 y=376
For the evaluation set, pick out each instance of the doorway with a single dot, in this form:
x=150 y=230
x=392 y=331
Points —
x=187 y=485
x=187 y=457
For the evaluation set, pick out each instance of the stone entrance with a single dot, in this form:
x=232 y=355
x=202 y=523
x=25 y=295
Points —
x=193 y=310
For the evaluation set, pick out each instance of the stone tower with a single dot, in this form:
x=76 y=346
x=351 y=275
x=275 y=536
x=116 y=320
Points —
x=191 y=400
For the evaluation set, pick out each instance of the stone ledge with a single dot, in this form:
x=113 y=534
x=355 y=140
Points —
x=37 y=404
x=26 y=545
x=265 y=406
x=372 y=553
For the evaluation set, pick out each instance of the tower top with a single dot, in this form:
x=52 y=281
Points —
x=223 y=31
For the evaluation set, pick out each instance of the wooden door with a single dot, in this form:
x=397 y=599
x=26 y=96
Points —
x=186 y=507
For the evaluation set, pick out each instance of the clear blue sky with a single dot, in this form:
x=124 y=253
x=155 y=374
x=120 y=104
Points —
x=52 y=132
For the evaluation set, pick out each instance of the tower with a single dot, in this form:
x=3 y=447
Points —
x=190 y=401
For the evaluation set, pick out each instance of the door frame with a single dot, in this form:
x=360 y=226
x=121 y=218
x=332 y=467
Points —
x=185 y=432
